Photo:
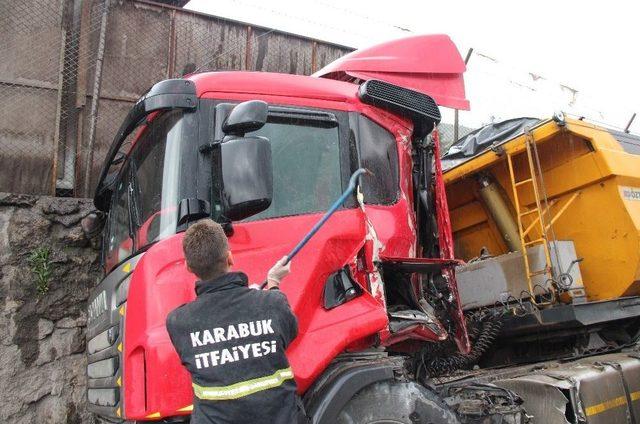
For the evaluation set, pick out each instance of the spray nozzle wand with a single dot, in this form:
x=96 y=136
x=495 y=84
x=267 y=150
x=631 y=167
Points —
x=353 y=183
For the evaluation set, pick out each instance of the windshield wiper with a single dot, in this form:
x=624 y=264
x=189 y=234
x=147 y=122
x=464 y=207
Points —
x=135 y=212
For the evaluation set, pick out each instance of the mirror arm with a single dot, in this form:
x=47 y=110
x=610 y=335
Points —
x=191 y=210
x=208 y=147
x=227 y=226
x=225 y=222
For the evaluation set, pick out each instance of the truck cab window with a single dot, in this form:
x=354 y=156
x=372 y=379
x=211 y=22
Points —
x=379 y=154
x=306 y=167
x=156 y=174
x=119 y=244
x=149 y=191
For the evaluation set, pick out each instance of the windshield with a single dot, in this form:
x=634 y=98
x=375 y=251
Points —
x=311 y=160
x=306 y=167
x=145 y=201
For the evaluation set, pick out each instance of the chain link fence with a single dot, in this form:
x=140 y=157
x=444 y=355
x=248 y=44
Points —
x=70 y=70
x=448 y=134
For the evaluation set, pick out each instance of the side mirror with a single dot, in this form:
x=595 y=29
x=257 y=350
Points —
x=246 y=117
x=93 y=223
x=247 y=177
x=92 y=226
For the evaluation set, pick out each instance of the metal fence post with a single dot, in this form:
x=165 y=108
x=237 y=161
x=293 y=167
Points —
x=626 y=128
x=93 y=114
x=456 y=112
x=56 y=133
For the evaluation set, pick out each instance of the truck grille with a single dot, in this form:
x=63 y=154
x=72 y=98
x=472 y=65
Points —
x=105 y=338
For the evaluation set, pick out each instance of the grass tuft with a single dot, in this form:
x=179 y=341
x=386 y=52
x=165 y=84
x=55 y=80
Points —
x=41 y=268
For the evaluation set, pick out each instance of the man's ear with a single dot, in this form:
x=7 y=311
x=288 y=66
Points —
x=229 y=259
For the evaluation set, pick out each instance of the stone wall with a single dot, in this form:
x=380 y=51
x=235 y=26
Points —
x=47 y=269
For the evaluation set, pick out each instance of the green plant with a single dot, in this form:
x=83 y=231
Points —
x=41 y=267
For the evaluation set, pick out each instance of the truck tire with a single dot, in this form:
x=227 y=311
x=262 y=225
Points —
x=393 y=402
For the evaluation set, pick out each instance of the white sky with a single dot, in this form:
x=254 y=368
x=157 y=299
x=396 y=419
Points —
x=589 y=46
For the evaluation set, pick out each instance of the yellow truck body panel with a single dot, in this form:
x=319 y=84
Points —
x=603 y=220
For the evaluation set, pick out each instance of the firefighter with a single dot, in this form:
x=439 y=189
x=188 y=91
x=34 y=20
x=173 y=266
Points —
x=232 y=338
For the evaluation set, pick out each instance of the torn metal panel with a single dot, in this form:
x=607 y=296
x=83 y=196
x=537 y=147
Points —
x=376 y=283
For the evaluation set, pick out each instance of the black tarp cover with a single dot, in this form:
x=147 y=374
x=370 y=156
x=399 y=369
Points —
x=484 y=138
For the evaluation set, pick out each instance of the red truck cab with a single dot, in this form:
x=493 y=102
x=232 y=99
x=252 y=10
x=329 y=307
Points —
x=355 y=288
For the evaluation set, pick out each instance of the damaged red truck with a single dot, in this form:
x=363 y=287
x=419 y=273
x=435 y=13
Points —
x=354 y=288
x=374 y=291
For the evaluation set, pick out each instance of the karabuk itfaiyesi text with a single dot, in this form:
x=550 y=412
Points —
x=235 y=353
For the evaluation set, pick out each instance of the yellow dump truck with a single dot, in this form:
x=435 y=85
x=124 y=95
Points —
x=531 y=183
x=546 y=216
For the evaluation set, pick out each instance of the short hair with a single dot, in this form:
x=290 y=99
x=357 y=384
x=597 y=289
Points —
x=206 y=248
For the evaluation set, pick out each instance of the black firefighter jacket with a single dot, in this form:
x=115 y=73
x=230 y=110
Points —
x=232 y=339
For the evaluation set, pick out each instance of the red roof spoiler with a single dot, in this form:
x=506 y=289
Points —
x=430 y=64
